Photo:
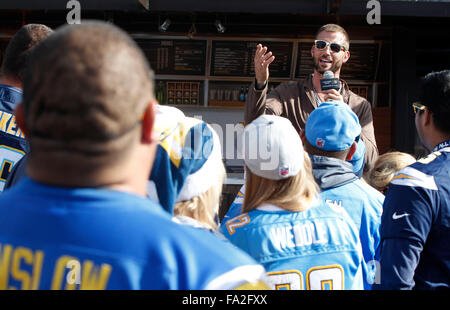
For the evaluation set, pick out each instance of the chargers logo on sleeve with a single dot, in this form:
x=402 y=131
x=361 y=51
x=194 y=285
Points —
x=412 y=177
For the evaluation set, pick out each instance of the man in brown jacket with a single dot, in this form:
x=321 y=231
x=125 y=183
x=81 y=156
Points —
x=296 y=101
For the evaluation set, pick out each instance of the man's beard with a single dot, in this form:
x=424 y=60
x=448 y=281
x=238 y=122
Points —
x=334 y=67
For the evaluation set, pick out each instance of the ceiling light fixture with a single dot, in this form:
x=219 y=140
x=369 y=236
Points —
x=164 y=26
x=219 y=26
x=192 y=31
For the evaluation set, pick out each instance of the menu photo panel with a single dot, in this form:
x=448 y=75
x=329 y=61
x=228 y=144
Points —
x=361 y=65
x=175 y=57
x=236 y=58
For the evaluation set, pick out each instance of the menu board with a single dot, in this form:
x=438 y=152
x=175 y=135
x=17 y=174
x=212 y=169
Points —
x=305 y=63
x=360 y=66
x=176 y=57
x=362 y=63
x=235 y=58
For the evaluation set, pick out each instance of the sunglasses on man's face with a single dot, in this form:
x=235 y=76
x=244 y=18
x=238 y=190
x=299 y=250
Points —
x=335 y=47
x=417 y=107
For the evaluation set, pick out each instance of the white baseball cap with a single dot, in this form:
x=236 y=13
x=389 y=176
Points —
x=272 y=148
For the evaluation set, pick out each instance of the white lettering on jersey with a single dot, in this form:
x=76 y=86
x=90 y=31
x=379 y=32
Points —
x=298 y=235
x=281 y=236
x=336 y=205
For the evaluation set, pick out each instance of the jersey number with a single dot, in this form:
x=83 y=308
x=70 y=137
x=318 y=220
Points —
x=317 y=278
x=9 y=156
x=237 y=222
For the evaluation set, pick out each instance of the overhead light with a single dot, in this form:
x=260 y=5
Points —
x=219 y=26
x=164 y=26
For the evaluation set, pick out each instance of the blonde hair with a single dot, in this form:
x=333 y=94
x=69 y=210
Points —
x=204 y=207
x=386 y=166
x=292 y=194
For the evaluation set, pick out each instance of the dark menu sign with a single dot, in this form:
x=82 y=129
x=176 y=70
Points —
x=362 y=63
x=360 y=66
x=177 y=57
x=305 y=63
x=235 y=58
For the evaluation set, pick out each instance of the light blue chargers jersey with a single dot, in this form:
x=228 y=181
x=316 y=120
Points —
x=315 y=249
x=236 y=207
x=364 y=205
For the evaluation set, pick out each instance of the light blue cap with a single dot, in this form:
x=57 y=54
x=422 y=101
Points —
x=358 y=160
x=332 y=126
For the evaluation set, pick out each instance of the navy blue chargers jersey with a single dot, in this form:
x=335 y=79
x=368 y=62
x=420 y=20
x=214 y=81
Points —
x=415 y=226
x=12 y=141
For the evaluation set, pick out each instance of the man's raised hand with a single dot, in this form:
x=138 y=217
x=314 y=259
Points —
x=262 y=61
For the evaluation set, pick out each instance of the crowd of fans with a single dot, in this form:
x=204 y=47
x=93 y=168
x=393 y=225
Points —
x=96 y=171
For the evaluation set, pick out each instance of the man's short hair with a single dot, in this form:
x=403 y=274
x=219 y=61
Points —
x=85 y=93
x=335 y=28
x=435 y=94
x=19 y=48
x=312 y=150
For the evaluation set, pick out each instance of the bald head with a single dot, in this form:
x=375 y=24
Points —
x=85 y=94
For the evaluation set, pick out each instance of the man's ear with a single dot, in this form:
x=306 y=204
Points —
x=346 y=57
x=20 y=119
x=351 y=151
x=427 y=116
x=148 y=122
